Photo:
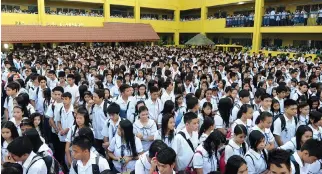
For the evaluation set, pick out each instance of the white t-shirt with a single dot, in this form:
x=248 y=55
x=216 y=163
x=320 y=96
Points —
x=74 y=91
x=201 y=160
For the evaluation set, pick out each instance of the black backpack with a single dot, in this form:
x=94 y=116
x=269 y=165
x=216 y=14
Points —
x=53 y=166
x=106 y=102
x=296 y=165
x=95 y=167
x=283 y=122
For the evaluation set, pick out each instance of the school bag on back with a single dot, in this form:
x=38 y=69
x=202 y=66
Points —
x=95 y=167
x=53 y=166
x=283 y=122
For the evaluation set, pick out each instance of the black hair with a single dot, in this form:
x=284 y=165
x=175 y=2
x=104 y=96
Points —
x=264 y=96
x=168 y=107
x=34 y=138
x=32 y=119
x=72 y=76
x=11 y=168
x=100 y=93
x=87 y=122
x=281 y=89
x=289 y=102
x=82 y=142
x=155 y=147
x=21 y=83
x=15 y=147
x=14 y=86
x=143 y=108
x=213 y=142
x=204 y=106
x=189 y=116
x=166 y=156
x=67 y=94
x=113 y=108
x=263 y=116
x=82 y=89
x=299 y=133
x=241 y=129
x=88 y=132
x=13 y=129
x=192 y=102
x=145 y=93
x=154 y=89
x=243 y=109
x=207 y=123
x=58 y=88
x=40 y=78
x=313 y=147
x=315 y=116
x=129 y=136
x=123 y=87
x=243 y=93
x=164 y=127
x=23 y=100
x=225 y=106
x=272 y=106
x=233 y=164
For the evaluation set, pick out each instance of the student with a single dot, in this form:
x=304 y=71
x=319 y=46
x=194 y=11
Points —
x=125 y=148
x=263 y=124
x=65 y=119
x=302 y=91
x=168 y=108
x=99 y=116
x=37 y=122
x=142 y=95
x=281 y=92
x=12 y=168
x=52 y=79
x=144 y=128
x=284 y=132
x=127 y=104
x=167 y=131
x=236 y=165
x=303 y=133
x=39 y=147
x=208 y=98
x=243 y=99
x=308 y=154
x=180 y=108
x=316 y=124
x=186 y=141
x=8 y=134
x=266 y=102
x=88 y=132
x=206 y=111
x=168 y=93
x=37 y=98
x=11 y=91
x=86 y=161
x=147 y=162
x=135 y=116
x=206 y=155
x=154 y=104
x=192 y=106
x=17 y=118
x=257 y=156
x=221 y=119
x=206 y=128
x=303 y=116
x=244 y=117
x=275 y=108
x=115 y=92
x=279 y=162
x=237 y=145
x=20 y=150
x=166 y=159
x=81 y=120
x=72 y=88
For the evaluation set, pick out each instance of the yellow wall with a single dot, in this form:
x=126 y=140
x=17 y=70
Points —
x=14 y=18
x=85 y=21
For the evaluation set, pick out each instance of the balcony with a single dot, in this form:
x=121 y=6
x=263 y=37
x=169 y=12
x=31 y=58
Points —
x=219 y=26
x=123 y=20
x=17 y=19
x=190 y=26
x=161 y=26
x=84 y=21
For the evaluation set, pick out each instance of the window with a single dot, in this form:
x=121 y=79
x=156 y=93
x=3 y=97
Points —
x=65 y=10
x=47 y=9
x=59 y=10
x=33 y=9
x=82 y=11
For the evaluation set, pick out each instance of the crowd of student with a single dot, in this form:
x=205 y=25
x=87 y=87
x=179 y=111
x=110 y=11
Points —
x=159 y=109
x=240 y=20
x=14 y=10
x=190 y=18
x=121 y=16
x=293 y=49
x=75 y=13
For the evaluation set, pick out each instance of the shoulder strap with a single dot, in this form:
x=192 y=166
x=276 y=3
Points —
x=75 y=167
x=283 y=122
x=188 y=141
x=33 y=161
x=296 y=165
x=8 y=100
x=95 y=167
x=60 y=112
x=251 y=158
x=92 y=107
x=105 y=107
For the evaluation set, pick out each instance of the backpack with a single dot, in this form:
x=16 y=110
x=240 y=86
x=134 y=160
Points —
x=283 y=122
x=189 y=170
x=104 y=107
x=222 y=163
x=61 y=110
x=95 y=167
x=53 y=166
x=296 y=165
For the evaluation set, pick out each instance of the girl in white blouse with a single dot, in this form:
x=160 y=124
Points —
x=244 y=115
x=8 y=133
x=206 y=128
x=145 y=128
x=302 y=134
x=237 y=145
x=167 y=131
x=206 y=155
x=142 y=94
x=316 y=124
x=125 y=148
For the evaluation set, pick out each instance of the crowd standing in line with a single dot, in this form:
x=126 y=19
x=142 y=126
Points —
x=159 y=110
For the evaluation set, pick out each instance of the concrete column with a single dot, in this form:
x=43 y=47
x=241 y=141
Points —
x=257 y=35
x=203 y=16
x=41 y=12
x=107 y=11
x=137 y=11
x=177 y=23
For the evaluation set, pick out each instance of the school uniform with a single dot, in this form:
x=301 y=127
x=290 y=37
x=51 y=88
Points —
x=317 y=134
x=234 y=112
x=108 y=85
x=114 y=91
x=52 y=83
x=147 y=130
x=30 y=109
x=37 y=96
x=13 y=120
x=295 y=96
x=201 y=160
x=203 y=137
x=257 y=113
x=45 y=148
x=190 y=88
x=154 y=108
x=315 y=168
x=288 y=132
x=290 y=145
x=118 y=149
x=304 y=167
x=256 y=162
x=38 y=167
x=87 y=168
x=166 y=140
x=212 y=101
x=66 y=119
x=180 y=113
x=183 y=150
x=248 y=125
x=127 y=107
x=219 y=122
x=4 y=150
x=74 y=91
x=140 y=98
x=303 y=120
x=142 y=165
x=139 y=81
x=111 y=130
x=165 y=96
x=281 y=102
x=234 y=149
x=269 y=137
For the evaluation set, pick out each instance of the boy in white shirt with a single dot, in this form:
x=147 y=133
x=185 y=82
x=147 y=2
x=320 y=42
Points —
x=37 y=99
x=166 y=159
x=168 y=92
x=72 y=88
x=154 y=104
x=12 y=91
x=86 y=160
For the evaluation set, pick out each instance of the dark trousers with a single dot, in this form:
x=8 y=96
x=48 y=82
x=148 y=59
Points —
x=98 y=146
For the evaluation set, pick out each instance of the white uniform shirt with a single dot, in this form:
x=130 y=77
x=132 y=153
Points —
x=4 y=151
x=304 y=168
x=50 y=113
x=52 y=83
x=74 y=91
x=234 y=149
x=248 y=125
x=290 y=145
x=288 y=132
x=165 y=96
x=66 y=119
x=147 y=130
x=115 y=148
x=269 y=137
x=317 y=134
x=257 y=113
x=39 y=167
x=219 y=122
x=158 y=136
x=154 y=108
x=234 y=112
x=128 y=106
x=142 y=165
x=212 y=101
x=39 y=99
x=111 y=130
x=202 y=161
x=255 y=161
x=98 y=121
x=87 y=168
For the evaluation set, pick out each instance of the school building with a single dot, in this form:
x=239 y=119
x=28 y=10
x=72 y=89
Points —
x=170 y=22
